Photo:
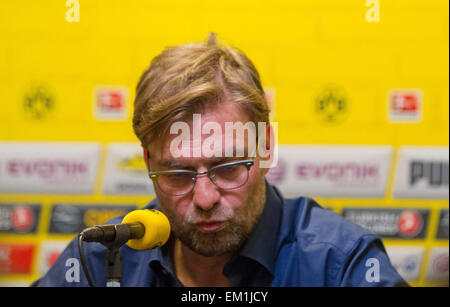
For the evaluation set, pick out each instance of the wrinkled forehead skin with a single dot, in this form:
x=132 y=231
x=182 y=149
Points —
x=221 y=131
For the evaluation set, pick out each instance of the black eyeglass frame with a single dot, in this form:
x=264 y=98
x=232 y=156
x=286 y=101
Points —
x=247 y=163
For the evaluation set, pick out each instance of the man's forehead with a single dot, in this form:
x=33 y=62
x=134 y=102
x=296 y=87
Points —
x=164 y=153
x=194 y=163
x=218 y=130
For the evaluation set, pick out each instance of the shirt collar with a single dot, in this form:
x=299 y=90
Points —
x=261 y=245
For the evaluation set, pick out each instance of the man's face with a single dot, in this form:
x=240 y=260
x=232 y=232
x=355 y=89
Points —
x=209 y=220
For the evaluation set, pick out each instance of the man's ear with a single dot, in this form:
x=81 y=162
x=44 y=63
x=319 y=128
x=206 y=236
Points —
x=145 y=156
x=268 y=151
x=269 y=133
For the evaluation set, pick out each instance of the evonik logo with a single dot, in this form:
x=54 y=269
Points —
x=350 y=172
x=46 y=168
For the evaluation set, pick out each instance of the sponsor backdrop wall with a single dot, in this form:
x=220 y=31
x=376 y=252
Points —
x=359 y=91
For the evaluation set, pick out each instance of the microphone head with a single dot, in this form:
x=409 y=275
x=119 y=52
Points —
x=157 y=228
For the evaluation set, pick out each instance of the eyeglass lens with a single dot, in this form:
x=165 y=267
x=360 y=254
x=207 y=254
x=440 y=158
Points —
x=225 y=177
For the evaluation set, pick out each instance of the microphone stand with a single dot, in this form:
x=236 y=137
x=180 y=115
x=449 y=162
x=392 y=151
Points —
x=113 y=265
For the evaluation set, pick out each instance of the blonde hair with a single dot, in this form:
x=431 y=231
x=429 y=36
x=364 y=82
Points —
x=188 y=78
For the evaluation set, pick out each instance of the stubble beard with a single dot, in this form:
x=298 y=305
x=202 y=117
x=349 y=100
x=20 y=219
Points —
x=240 y=223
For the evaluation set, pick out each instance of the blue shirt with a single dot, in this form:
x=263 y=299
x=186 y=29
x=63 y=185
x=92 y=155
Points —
x=295 y=243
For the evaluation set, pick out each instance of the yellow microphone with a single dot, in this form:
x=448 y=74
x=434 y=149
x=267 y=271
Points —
x=140 y=229
x=156 y=228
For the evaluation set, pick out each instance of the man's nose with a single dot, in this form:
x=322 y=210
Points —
x=205 y=194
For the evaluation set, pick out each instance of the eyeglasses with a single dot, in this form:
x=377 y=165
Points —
x=226 y=176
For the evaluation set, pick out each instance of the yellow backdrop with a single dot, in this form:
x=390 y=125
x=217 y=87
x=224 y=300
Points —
x=299 y=47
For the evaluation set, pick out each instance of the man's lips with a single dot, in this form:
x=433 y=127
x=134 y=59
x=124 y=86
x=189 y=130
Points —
x=210 y=226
